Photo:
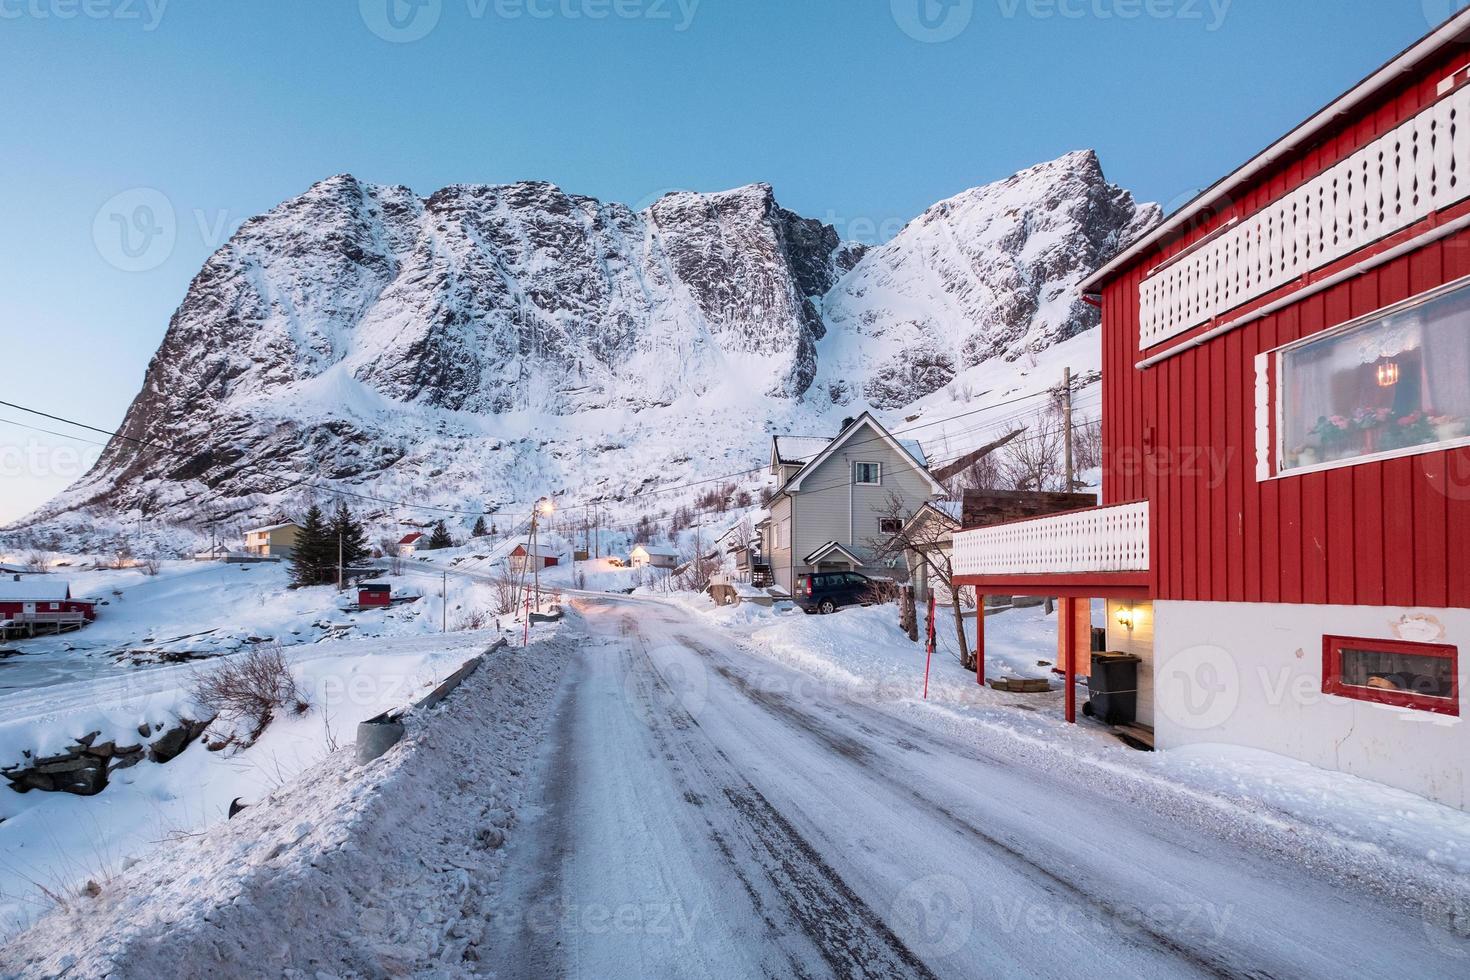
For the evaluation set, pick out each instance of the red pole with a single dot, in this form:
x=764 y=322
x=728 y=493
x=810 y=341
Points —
x=980 y=639
x=1069 y=613
x=929 y=646
x=527 y=641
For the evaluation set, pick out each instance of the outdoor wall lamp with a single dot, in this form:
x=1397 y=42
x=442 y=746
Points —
x=1127 y=615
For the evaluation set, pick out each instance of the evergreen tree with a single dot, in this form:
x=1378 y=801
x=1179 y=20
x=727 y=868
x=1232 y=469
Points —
x=351 y=533
x=479 y=530
x=440 y=538
x=310 y=562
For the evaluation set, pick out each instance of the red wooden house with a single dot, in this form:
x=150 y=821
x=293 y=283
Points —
x=42 y=602
x=1285 y=536
x=519 y=558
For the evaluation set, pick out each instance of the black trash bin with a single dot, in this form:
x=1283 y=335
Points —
x=1113 y=688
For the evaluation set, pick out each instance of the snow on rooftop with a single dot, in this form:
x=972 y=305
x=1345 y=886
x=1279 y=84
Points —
x=30 y=590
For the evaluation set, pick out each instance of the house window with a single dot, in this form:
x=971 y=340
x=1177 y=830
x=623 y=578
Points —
x=1424 y=676
x=1397 y=383
x=889 y=526
x=775 y=536
x=867 y=474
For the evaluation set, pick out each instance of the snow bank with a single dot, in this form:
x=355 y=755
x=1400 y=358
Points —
x=384 y=870
x=56 y=841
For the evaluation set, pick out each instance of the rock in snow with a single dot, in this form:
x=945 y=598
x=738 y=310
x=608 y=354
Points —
x=489 y=339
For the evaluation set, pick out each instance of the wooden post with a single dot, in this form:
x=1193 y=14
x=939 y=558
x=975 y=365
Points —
x=980 y=639
x=1068 y=622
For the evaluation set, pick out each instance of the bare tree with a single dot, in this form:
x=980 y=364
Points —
x=928 y=542
x=1034 y=461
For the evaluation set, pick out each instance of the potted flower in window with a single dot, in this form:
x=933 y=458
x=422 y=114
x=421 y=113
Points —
x=1411 y=429
x=1333 y=432
x=1369 y=421
x=1447 y=428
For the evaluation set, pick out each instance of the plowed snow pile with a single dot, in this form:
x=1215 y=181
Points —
x=345 y=871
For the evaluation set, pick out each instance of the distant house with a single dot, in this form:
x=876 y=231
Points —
x=930 y=535
x=409 y=544
x=523 y=557
x=274 y=541
x=653 y=556
x=48 y=601
x=375 y=594
x=835 y=496
x=217 y=552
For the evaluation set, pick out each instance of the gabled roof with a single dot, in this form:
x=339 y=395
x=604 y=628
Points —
x=411 y=538
x=858 y=556
x=1449 y=32
x=866 y=422
x=273 y=527
x=540 y=551
x=661 y=550
x=947 y=516
x=30 y=590
x=797 y=449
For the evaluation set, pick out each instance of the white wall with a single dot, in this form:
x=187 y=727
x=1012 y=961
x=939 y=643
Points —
x=1140 y=643
x=1251 y=675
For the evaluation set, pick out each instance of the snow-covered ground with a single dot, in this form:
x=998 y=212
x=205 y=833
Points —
x=336 y=869
x=660 y=787
x=202 y=609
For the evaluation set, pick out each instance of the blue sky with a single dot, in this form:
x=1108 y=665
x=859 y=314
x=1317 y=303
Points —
x=860 y=112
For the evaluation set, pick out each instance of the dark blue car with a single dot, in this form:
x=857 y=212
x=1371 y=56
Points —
x=827 y=592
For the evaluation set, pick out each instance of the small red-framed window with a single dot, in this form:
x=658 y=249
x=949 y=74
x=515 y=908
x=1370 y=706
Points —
x=1423 y=676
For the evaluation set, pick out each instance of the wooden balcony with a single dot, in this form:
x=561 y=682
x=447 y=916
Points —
x=1073 y=551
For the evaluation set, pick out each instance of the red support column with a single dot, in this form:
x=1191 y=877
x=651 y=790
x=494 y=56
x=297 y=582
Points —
x=980 y=640
x=1068 y=613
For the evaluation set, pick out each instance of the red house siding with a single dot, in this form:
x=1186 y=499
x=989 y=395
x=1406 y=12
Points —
x=1182 y=431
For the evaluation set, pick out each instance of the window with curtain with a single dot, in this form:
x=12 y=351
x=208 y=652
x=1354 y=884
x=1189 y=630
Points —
x=1397 y=382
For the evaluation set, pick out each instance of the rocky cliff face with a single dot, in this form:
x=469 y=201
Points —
x=490 y=339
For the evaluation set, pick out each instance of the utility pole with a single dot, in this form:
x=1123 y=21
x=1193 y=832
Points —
x=1067 y=426
x=339 y=559
x=444 y=602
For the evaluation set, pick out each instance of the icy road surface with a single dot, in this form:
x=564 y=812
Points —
x=709 y=813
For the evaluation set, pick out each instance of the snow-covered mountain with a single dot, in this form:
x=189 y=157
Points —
x=488 y=344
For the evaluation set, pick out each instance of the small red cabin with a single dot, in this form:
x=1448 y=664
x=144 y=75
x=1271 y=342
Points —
x=41 y=601
x=544 y=558
x=375 y=594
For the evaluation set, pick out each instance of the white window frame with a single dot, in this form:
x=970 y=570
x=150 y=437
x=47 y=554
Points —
x=866 y=483
x=1271 y=407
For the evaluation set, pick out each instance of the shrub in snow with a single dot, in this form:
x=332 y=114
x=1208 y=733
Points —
x=245 y=693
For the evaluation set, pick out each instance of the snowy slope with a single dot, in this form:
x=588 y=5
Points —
x=488 y=344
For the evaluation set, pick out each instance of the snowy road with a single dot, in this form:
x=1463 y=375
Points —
x=709 y=813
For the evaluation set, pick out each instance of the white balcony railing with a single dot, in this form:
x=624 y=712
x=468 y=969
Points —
x=1104 y=539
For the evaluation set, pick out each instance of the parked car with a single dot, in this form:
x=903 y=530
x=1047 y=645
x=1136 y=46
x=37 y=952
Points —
x=827 y=592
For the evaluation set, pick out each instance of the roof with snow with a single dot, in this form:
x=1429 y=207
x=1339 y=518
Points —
x=540 y=551
x=657 y=549
x=800 y=449
x=272 y=527
x=31 y=590
x=866 y=420
x=411 y=538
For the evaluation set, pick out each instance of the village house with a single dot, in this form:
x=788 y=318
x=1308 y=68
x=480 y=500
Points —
x=1284 y=539
x=30 y=605
x=525 y=557
x=409 y=544
x=274 y=541
x=836 y=497
x=653 y=556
